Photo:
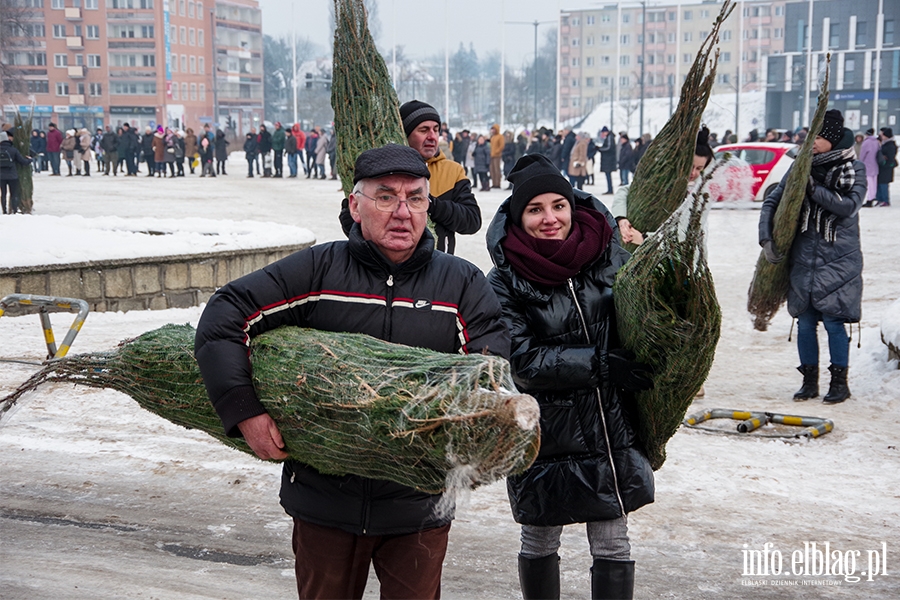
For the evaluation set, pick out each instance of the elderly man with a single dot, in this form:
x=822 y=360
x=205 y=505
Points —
x=453 y=207
x=362 y=285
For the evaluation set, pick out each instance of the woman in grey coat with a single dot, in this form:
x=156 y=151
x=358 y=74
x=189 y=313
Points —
x=825 y=259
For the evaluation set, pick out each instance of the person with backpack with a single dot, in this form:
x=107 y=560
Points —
x=9 y=173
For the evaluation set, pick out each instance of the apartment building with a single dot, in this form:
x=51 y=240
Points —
x=88 y=63
x=609 y=50
x=239 y=63
x=865 y=64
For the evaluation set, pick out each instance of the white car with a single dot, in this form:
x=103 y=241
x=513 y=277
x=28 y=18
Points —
x=769 y=162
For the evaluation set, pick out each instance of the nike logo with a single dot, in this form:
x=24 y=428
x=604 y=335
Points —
x=422 y=304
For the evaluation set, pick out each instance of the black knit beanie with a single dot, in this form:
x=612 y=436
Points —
x=833 y=127
x=533 y=175
x=414 y=112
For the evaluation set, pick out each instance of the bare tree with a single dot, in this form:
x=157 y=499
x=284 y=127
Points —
x=15 y=33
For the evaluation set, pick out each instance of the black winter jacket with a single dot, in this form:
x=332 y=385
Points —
x=432 y=300
x=11 y=172
x=559 y=336
x=824 y=275
x=889 y=156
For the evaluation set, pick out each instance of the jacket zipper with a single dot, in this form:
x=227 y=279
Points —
x=389 y=309
x=366 y=508
x=612 y=463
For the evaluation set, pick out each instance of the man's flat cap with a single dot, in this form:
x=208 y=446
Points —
x=390 y=159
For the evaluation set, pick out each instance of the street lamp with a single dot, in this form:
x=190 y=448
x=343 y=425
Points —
x=534 y=65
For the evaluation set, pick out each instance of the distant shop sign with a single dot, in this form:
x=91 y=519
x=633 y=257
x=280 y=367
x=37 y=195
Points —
x=132 y=110
x=26 y=109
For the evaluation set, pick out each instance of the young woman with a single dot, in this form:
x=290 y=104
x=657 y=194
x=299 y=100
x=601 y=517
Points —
x=825 y=258
x=556 y=256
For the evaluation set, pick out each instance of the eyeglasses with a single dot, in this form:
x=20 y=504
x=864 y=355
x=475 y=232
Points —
x=390 y=203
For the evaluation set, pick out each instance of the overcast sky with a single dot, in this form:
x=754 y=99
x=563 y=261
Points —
x=423 y=25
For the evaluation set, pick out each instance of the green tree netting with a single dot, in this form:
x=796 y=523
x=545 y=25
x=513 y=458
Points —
x=366 y=111
x=667 y=313
x=22 y=141
x=661 y=179
x=769 y=287
x=345 y=403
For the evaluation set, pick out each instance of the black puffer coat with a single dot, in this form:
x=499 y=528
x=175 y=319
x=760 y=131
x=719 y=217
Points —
x=555 y=360
x=826 y=275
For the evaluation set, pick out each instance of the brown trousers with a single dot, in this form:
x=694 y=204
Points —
x=334 y=564
x=495 y=171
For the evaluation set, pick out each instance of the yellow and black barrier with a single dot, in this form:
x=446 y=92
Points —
x=44 y=304
x=751 y=421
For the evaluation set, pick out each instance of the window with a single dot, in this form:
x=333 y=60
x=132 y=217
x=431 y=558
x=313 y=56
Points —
x=624 y=81
x=704 y=14
x=626 y=18
x=860 y=34
x=174 y=91
x=640 y=39
x=94 y=61
x=673 y=15
x=193 y=61
x=183 y=37
x=200 y=37
x=121 y=31
x=779 y=11
x=92 y=32
x=201 y=65
x=192 y=40
x=79 y=60
x=670 y=38
x=624 y=59
x=576 y=101
x=146 y=4
x=574 y=42
x=726 y=35
x=62 y=88
x=604 y=39
x=79 y=89
x=670 y=59
x=191 y=10
x=575 y=61
x=174 y=63
x=38 y=87
x=888 y=38
x=122 y=4
x=37 y=59
x=778 y=33
x=604 y=60
x=724 y=78
x=834 y=36
x=147 y=31
x=57 y=4
x=181 y=8
x=173 y=34
x=574 y=83
x=60 y=60
x=183 y=63
x=688 y=36
x=184 y=92
x=589 y=61
x=726 y=57
x=32 y=3
x=589 y=19
x=626 y=39
x=688 y=15
x=149 y=60
x=91 y=5
x=605 y=19
x=59 y=31
x=202 y=91
x=590 y=40
x=133 y=89
x=604 y=81
x=199 y=16
x=686 y=58
x=576 y=21
x=193 y=91
x=703 y=35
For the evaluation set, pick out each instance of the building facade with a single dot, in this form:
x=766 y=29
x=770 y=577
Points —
x=865 y=64
x=88 y=63
x=610 y=50
x=239 y=64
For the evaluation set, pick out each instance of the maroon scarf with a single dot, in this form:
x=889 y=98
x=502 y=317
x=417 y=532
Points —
x=552 y=262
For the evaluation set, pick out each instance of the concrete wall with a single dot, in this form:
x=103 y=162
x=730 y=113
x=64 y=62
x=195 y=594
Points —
x=152 y=283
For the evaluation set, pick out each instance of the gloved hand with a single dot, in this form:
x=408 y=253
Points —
x=625 y=373
x=771 y=252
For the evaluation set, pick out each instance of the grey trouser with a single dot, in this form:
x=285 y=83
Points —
x=608 y=539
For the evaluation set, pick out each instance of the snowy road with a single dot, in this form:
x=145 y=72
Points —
x=100 y=499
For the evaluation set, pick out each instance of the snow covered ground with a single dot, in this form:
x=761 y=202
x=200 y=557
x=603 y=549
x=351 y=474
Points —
x=100 y=499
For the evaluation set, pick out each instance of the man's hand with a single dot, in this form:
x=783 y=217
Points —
x=262 y=434
x=771 y=252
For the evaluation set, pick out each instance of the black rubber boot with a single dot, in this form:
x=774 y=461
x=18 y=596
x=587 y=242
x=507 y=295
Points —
x=837 y=390
x=612 y=579
x=539 y=577
x=810 y=388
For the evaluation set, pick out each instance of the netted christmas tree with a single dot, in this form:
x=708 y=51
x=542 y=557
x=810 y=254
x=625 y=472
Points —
x=344 y=403
x=661 y=178
x=769 y=287
x=366 y=111
x=21 y=138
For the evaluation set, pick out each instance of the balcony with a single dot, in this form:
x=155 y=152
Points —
x=76 y=72
x=75 y=42
x=73 y=14
x=76 y=99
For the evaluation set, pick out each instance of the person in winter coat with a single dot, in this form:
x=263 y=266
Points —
x=38 y=150
x=868 y=155
x=221 y=152
x=98 y=149
x=250 y=149
x=265 y=150
x=129 y=148
x=496 y=146
x=640 y=146
x=331 y=150
x=565 y=150
x=344 y=523
x=207 y=155
x=509 y=155
x=179 y=152
x=886 y=164
x=608 y=158
x=159 y=151
x=190 y=147
x=110 y=144
x=169 y=155
x=290 y=149
x=469 y=165
x=627 y=164
x=482 y=157
x=9 y=173
x=148 y=150
x=67 y=148
x=321 y=154
x=578 y=160
x=312 y=140
x=278 y=137
x=555 y=255
x=825 y=259
x=54 y=147
x=83 y=151
x=301 y=145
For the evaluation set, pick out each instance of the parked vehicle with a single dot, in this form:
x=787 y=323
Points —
x=768 y=161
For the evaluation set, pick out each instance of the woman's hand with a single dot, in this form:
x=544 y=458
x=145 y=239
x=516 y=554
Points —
x=629 y=234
